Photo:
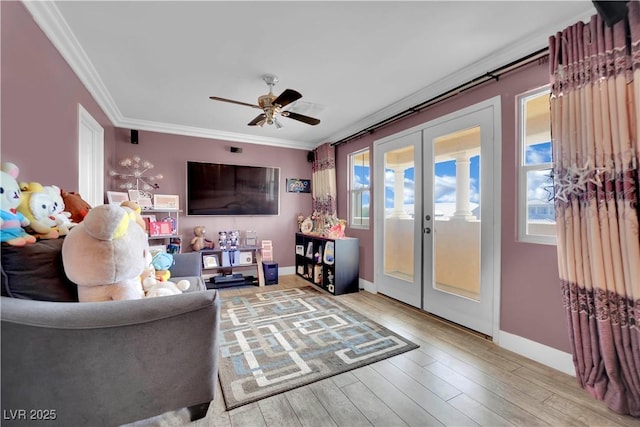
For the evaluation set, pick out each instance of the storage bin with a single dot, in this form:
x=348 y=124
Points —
x=270 y=273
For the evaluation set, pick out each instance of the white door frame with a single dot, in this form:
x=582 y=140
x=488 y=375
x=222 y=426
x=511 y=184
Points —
x=408 y=292
x=494 y=175
x=90 y=158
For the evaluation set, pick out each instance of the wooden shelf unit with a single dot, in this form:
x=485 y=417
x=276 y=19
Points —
x=209 y=270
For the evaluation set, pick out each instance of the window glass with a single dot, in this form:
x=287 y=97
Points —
x=359 y=189
x=536 y=207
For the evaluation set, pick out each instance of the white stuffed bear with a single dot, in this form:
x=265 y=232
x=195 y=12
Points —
x=62 y=218
x=106 y=254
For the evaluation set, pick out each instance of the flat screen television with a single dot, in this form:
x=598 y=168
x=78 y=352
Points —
x=224 y=189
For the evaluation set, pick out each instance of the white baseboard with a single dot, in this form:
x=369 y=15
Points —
x=285 y=271
x=541 y=353
x=368 y=286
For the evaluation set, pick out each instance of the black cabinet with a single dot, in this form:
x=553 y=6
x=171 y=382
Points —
x=328 y=263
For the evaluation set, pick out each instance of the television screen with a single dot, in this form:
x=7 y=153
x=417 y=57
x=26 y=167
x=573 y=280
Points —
x=223 y=189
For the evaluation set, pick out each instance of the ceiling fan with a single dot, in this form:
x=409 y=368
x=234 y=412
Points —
x=272 y=105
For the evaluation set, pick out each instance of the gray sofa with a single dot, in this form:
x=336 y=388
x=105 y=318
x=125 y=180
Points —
x=104 y=363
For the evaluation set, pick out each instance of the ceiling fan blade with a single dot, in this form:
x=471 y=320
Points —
x=258 y=121
x=215 y=98
x=286 y=97
x=301 y=118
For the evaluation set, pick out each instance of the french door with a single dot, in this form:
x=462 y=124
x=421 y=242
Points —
x=437 y=190
x=398 y=212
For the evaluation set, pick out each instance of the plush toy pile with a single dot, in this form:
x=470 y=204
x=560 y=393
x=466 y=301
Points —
x=32 y=211
x=155 y=279
x=105 y=250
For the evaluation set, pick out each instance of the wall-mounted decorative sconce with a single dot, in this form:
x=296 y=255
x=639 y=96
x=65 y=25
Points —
x=136 y=176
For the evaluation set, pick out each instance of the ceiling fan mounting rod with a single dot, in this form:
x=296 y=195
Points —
x=270 y=80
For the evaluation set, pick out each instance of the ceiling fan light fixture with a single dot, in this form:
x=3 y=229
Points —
x=271 y=105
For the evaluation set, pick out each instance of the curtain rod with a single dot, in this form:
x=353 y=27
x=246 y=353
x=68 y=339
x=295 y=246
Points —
x=491 y=75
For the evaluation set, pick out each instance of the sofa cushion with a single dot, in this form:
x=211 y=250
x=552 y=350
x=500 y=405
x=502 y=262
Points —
x=36 y=272
x=196 y=283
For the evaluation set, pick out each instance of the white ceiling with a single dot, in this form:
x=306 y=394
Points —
x=152 y=65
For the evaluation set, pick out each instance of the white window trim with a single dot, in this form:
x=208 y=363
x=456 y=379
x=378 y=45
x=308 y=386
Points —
x=364 y=225
x=523 y=169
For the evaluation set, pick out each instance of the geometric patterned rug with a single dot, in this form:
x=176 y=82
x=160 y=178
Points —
x=275 y=341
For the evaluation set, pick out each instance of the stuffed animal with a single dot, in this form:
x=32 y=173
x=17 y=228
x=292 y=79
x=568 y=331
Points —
x=75 y=205
x=37 y=206
x=161 y=263
x=105 y=255
x=200 y=242
x=156 y=282
x=62 y=217
x=12 y=221
x=136 y=212
x=156 y=288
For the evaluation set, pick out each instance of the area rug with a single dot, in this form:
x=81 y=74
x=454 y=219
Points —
x=275 y=341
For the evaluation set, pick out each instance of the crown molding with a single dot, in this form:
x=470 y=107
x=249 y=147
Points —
x=173 y=129
x=48 y=17
x=528 y=44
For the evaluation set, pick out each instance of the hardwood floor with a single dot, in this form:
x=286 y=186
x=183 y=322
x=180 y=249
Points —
x=455 y=378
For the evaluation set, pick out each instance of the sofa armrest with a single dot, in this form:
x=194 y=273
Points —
x=109 y=363
x=186 y=264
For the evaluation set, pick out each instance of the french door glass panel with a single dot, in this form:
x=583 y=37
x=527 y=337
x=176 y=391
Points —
x=456 y=207
x=398 y=218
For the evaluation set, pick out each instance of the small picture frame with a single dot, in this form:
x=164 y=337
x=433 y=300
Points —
x=210 y=261
x=134 y=195
x=297 y=185
x=117 y=197
x=166 y=201
x=299 y=250
x=145 y=203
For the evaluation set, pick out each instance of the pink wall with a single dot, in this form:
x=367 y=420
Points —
x=40 y=96
x=39 y=100
x=531 y=303
x=169 y=155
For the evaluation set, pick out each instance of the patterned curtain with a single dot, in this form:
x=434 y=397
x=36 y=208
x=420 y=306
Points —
x=595 y=78
x=323 y=180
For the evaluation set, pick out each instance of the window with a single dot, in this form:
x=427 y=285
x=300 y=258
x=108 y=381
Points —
x=536 y=210
x=359 y=189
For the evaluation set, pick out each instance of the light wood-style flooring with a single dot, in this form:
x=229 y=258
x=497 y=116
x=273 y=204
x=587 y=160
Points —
x=455 y=378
